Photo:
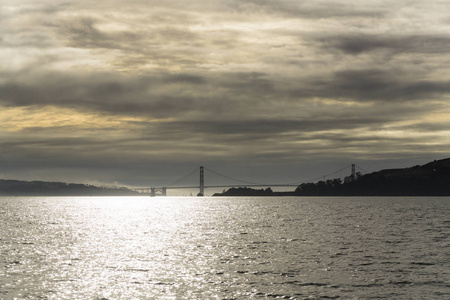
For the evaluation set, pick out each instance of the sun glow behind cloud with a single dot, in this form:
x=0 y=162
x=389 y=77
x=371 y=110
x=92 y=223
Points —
x=14 y=119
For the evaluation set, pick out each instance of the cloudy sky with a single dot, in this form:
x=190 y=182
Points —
x=140 y=92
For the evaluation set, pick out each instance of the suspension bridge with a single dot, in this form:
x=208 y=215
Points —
x=201 y=186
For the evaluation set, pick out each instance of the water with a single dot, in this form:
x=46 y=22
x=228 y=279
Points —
x=224 y=248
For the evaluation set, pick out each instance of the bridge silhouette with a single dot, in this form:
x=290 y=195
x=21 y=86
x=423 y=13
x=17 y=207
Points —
x=162 y=191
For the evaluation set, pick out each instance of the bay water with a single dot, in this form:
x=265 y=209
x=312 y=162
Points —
x=224 y=248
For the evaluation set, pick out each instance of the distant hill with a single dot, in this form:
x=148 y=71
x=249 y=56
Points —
x=42 y=188
x=431 y=179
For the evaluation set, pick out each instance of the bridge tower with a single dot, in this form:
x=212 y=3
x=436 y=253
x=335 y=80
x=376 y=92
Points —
x=202 y=182
x=353 y=172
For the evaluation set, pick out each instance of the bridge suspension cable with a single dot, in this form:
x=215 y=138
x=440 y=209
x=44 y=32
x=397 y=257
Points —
x=184 y=177
x=338 y=171
x=250 y=183
x=288 y=184
x=234 y=179
x=358 y=167
x=323 y=176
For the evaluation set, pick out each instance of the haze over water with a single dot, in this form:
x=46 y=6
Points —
x=224 y=248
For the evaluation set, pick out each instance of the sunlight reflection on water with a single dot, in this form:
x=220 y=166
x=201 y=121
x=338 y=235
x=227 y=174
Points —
x=187 y=248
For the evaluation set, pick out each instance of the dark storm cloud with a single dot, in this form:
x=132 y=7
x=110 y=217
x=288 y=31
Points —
x=159 y=94
x=84 y=32
x=246 y=129
x=178 y=94
x=308 y=10
x=361 y=43
x=374 y=84
x=392 y=85
x=100 y=91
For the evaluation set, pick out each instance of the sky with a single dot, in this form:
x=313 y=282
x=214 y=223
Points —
x=140 y=93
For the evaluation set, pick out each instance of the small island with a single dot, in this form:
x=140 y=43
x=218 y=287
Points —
x=431 y=179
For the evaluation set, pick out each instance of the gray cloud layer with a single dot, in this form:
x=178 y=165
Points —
x=252 y=82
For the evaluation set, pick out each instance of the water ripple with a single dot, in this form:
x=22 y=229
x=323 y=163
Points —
x=227 y=248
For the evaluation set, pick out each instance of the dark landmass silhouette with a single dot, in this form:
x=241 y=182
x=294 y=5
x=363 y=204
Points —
x=42 y=188
x=249 y=192
x=431 y=179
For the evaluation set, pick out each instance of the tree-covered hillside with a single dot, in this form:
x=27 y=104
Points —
x=432 y=179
